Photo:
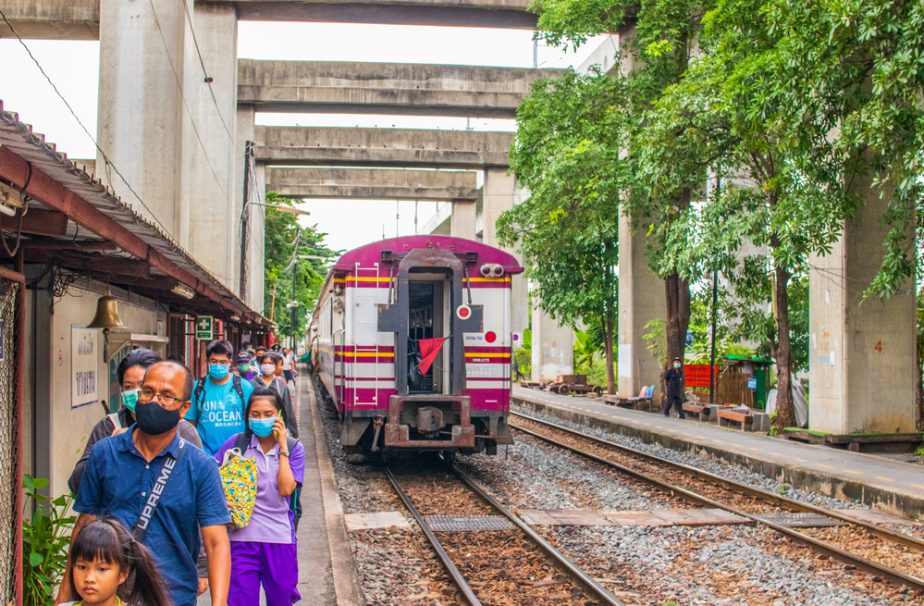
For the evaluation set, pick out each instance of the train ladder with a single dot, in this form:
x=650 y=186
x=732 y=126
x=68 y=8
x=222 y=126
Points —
x=361 y=349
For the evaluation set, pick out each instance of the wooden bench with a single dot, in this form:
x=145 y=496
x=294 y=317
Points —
x=731 y=418
x=643 y=401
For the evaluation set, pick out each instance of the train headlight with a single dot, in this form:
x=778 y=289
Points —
x=497 y=270
x=486 y=270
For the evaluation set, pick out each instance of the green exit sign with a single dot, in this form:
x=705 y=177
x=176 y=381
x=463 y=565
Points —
x=205 y=328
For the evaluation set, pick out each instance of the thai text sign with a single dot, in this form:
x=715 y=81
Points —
x=697 y=375
x=84 y=366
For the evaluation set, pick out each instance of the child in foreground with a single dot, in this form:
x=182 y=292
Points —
x=109 y=568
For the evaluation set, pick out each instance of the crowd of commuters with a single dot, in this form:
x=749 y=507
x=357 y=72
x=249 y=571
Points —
x=154 y=526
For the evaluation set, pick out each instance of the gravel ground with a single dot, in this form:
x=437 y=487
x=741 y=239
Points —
x=712 y=565
x=732 y=472
x=724 y=565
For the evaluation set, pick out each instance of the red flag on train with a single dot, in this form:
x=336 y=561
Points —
x=429 y=349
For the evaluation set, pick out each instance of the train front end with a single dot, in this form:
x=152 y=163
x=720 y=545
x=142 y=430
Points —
x=415 y=344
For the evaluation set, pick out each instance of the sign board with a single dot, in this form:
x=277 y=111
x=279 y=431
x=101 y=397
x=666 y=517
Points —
x=752 y=383
x=463 y=312
x=205 y=328
x=697 y=375
x=84 y=366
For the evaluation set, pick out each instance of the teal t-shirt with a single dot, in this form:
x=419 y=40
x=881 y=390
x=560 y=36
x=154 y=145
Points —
x=218 y=413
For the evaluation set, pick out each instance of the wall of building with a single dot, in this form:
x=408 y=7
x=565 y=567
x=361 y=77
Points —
x=67 y=429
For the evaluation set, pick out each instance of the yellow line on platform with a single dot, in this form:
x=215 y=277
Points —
x=825 y=465
x=884 y=478
x=854 y=472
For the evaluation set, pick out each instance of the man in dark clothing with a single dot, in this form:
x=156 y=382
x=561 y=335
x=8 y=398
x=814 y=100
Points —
x=673 y=387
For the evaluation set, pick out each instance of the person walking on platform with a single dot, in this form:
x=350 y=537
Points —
x=265 y=551
x=167 y=492
x=269 y=362
x=219 y=399
x=673 y=387
x=130 y=372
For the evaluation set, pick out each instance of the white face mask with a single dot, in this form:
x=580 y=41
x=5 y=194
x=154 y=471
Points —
x=268 y=369
x=676 y=364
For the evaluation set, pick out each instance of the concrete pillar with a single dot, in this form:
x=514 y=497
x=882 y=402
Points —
x=641 y=300
x=861 y=353
x=462 y=219
x=209 y=213
x=245 y=128
x=256 y=248
x=141 y=105
x=553 y=347
x=499 y=194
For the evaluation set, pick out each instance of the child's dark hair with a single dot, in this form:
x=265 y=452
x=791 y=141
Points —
x=106 y=539
x=265 y=392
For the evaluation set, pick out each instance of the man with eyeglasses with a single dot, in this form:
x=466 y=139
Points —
x=162 y=489
x=219 y=399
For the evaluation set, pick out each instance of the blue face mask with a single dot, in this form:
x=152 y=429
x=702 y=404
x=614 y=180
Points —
x=262 y=427
x=218 y=371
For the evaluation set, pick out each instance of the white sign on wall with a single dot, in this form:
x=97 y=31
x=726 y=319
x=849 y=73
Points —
x=84 y=366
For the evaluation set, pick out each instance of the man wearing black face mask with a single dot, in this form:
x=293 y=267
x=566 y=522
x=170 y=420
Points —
x=162 y=489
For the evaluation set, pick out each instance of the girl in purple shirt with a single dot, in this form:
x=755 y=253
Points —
x=264 y=551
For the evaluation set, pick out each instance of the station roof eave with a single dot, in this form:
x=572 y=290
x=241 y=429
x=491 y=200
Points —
x=117 y=243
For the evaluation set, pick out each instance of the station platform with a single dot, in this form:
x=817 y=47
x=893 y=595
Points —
x=892 y=486
x=326 y=572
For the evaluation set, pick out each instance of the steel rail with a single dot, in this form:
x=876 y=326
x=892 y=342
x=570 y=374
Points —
x=885 y=533
x=894 y=576
x=447 y=562
x=590 y=584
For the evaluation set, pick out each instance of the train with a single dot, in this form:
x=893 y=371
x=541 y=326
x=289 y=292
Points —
x=411 y=343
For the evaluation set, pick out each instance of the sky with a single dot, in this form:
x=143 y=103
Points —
x=73 y=68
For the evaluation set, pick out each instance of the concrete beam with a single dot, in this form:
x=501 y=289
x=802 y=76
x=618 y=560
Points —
x=461 y=13
x=79 y=19
x=52 y=19
x=385 y=88
x=372 y=184
x=295 y=145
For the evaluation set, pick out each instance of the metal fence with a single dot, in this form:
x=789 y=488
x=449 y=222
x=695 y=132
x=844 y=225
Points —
x=11 y=309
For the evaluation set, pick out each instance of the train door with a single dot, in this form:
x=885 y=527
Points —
x=428 y=320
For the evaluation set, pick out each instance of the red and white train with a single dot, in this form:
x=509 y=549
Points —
x=411 y=340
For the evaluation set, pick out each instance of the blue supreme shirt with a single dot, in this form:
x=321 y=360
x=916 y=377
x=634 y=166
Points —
x=117 y=482
x=218 y=413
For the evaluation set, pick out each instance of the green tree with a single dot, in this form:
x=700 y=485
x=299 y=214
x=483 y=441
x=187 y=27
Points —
x=566 y=152
x=296 y=263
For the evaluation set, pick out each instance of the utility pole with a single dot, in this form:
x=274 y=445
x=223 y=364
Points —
x=715 y=305
x=248 y=154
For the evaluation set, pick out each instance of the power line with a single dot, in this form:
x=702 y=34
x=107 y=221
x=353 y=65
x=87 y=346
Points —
x=207 y=79
x=109 y=164
x=179 y=85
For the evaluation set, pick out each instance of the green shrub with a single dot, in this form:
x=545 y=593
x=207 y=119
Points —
x=46 y=538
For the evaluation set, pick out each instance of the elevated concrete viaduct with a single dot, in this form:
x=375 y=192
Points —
x=385 y=88
x=295 y=145
x=373 y=184
x=80 y=19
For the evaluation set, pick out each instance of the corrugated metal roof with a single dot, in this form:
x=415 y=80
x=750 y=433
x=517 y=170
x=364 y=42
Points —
x=20 y=139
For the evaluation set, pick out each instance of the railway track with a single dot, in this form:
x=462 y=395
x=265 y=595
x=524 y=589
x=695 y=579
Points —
x=875 y=549
x=510 y=565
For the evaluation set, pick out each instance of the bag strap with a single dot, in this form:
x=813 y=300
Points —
x=197 y=394
x=140 y=529
x=240 y=392
x=114 y=419
x=241 y=442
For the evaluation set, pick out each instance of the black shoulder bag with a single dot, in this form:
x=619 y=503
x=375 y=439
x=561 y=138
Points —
x=140 y=529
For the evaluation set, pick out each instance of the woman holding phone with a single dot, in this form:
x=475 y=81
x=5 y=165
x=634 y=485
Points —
x=264 y=551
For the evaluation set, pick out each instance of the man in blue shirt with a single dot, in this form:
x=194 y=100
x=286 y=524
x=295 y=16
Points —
x=121 y=476
x=219 y=399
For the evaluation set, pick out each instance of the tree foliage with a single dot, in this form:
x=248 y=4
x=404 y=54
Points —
x=296 y=263
x=566 y=152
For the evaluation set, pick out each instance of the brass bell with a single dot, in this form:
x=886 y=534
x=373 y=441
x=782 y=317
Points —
x=107 y=313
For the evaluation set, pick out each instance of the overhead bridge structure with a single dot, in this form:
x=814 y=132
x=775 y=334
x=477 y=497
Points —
x=80 y=19
x=384 y=88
